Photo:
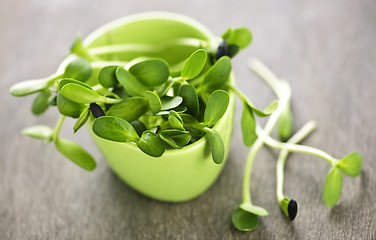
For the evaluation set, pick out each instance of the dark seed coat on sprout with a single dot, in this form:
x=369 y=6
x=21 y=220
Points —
x=96 y=110
x=292 y=209
x=222 y=50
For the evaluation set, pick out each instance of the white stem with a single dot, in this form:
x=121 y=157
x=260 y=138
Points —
x=268 y=76
x=294 y=147
x=283 y=91
x=297 y=137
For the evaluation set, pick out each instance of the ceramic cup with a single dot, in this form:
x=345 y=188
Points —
x=179 y=174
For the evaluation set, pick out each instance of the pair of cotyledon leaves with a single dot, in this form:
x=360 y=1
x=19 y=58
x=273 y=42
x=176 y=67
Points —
x=141 y=78
x=73 y=99
x=120 y=130
x=234 y=40
x=350 y=165
x=69 y=149
x=143 y=75
x=138 y=80
x=245 y=216
x=78 y=69
x=129 y=109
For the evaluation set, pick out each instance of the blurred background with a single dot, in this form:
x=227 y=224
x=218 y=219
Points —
x=325 y=49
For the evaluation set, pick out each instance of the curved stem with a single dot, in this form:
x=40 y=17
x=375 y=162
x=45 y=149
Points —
x=53 y=77
x=248 y=171
x=58 y=127
x=111 y=100
x=104 y=91
x=178 y=80
x=52 y=81
x=297 y=137
x=268 y=76
x=241 y=95
x=283 y=91
x=296 y=148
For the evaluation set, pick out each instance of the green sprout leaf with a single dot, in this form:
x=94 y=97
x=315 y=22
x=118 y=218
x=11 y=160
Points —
x=232 y=50
x=151 y=72
x=82 y=119
x=129 y=109
x=175 y=120
x=285 y=124
x=120 y=91
x=114 y=129
x=81 y=94
x=267 y=111
x=190 y=99
x=227 y=34
x=218 y=74
x=38 y=132
x=68 y=107
x=216 y=107
x=188 y=118
x=248 y=126
x=194 y=65
x=130 y=83
x=244 y=220
x=170 y=102
x=79 y=69
x=75 y=153
x=107 y=77
x=332 y=187
x=151 y=144
x=257 y=210
x=351 y=165
x=138 y=126
x=164 y=88
x=29 y=87
x=241 y=37
x=216 y=145
x=65 y=81
x=155 y=103
x=175 y=138
x=40 y=103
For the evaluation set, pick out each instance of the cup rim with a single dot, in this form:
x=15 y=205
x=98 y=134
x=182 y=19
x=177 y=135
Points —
x=147 y=16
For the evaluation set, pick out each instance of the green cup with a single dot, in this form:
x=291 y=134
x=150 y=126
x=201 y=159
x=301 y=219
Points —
x=179 y=174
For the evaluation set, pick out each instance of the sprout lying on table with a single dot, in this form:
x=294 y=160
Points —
x=148 y=103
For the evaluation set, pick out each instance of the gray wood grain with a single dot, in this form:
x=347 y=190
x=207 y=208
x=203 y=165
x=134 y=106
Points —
x=325 y=49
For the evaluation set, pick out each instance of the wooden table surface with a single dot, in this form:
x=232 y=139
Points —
x=325 y=49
